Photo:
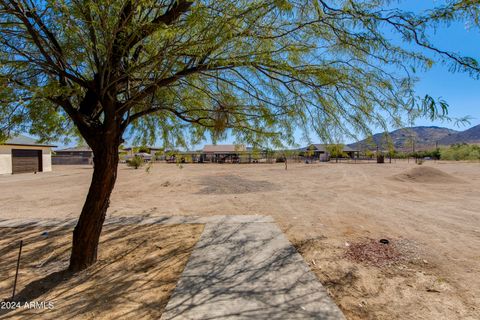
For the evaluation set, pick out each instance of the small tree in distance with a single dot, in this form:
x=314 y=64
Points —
x=257 y=70
x=336 y=150
x=284 y=155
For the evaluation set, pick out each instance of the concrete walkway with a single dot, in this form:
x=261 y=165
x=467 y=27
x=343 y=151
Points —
x=248 y=270
x=243 y=267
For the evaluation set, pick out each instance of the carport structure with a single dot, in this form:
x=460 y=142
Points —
x=222 y=153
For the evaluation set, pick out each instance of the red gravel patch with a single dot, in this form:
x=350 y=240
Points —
x=372 y=252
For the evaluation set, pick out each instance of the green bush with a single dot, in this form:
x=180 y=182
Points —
x=135 y=162
x=433 y=154
x=461 y=152
x=144 y=149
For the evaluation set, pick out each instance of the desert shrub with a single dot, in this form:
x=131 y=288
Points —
x=432 y=154
x=160 y=155
x=143 y=149
x=187 y=158
x=135 y=162
x=122 y=155
x=460 y=152
x=336 y=150
x=380 y=158
x=436 y=153
x=369 y=154
x=400 y=155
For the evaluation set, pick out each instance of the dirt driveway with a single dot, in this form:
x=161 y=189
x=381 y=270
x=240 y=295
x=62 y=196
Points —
x=432 y=217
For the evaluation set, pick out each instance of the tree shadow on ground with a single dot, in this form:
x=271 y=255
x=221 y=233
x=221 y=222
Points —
x=35 y=289
x=137 y=269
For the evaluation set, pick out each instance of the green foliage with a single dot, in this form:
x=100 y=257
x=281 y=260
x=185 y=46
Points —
x=432 y=154
x=135 y=162
x=380 y=158
x=336 y=150
x=309 y=152
x=144 y=149
x=284 y=155
x=399 y=155
x=122 y=156
x=369 y=154
x=181 y=71
x=460 y=152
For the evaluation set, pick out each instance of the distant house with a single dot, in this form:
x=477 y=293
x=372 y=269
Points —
x=145 y=156
x=222 y=153
x=132 y=150
x=76 y=155
x=22 y=154
x=321 y=151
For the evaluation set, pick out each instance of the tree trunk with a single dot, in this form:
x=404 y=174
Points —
x=87 y=231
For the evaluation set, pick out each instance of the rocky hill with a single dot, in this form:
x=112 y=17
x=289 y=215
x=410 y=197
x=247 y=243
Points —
x=402 y=139
x=470 y=136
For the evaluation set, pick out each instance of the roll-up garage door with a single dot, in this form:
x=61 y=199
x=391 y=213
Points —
x=24 y=160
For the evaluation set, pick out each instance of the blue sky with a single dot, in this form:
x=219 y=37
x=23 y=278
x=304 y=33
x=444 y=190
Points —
x=460 y=91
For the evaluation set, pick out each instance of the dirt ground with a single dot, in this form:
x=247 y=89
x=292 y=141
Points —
x=430 y=213
x=137 y=269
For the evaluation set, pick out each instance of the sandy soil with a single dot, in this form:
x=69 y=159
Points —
x=325 y=208
x=137 y=270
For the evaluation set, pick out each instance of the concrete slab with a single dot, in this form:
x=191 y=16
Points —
x=248 y=271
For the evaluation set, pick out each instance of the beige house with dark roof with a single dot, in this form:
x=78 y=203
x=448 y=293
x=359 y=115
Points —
x=320 y=151
x=22 y=154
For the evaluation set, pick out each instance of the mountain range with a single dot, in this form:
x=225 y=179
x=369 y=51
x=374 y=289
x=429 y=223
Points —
x=419 y=138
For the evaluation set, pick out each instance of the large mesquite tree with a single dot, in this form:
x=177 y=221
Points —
x=257 y=69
